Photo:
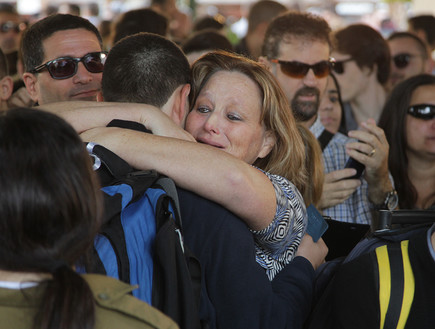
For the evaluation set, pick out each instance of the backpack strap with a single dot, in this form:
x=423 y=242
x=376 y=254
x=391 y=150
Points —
x=169 y=186
x=396 y=287
x=324 y=138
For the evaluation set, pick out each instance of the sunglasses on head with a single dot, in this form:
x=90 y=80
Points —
x=299 y=70
x=8 y=26
x=66 y=67
x=339 y=67
x=402 y=60
x=422 y=111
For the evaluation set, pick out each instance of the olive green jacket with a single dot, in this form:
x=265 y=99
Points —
x=115 y=307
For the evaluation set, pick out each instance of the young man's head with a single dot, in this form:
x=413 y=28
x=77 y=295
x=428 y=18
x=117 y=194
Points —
x=409 y=57
x=296 y=49
x=62 y=59
x=362 y=57
x=148 y=68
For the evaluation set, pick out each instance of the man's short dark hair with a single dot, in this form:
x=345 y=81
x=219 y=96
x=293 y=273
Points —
x=420 y=43
x=144 y=68
x=425 y=23
x=7 y=8
x=366 y=46
x=209 y=22
x=140 y=20
x=263 y=11
x=32 y=51
x=206 y=40
x=294 y=24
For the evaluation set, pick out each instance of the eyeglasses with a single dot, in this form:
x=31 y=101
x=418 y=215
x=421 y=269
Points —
x=8 y=26
x=402 y=60
x=339 y=67
x=422 y=111
x=66 y=67
x=299 y=70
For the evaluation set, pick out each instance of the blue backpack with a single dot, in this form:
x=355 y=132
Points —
x=141 y=240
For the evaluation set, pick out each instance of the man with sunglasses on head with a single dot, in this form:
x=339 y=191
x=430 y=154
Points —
x=297 y=51
x=409 y=57
x=63 y=59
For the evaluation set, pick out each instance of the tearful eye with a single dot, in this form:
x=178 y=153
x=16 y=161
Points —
x=233 y=117
x=203 y=109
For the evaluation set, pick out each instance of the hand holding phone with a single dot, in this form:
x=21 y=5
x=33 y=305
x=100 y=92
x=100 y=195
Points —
x=358 y=166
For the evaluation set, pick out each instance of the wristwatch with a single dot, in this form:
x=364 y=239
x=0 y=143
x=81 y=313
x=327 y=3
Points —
x=391 y=201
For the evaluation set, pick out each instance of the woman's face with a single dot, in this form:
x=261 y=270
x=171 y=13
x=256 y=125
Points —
x=330 y=109
x=421 y=133
x=226 y=115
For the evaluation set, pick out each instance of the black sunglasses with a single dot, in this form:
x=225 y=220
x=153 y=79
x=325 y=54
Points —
x=299 y=70
x=339 y=67
x=422 y=111
x=8 y=26
x=66 y=67
x=402 y=60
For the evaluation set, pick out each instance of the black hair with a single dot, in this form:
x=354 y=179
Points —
x=425 y=23
x=294 y=24
x=367 y=46
x=420 y=43
x=342 y=128
x=393 y=121
x=32 y=50
x=206 y=40
x=263 y=11
x=4 y=67
x=144 y=68
x=209 y=22
x=50 y=210
x=140 y=20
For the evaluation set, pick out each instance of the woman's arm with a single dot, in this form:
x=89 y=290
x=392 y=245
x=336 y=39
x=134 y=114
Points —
x=209 y=172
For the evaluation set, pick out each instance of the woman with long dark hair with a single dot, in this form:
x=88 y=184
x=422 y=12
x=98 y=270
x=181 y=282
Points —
x=408 y=120
x=50 y=211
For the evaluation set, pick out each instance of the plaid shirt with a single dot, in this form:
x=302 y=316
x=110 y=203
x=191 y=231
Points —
x=357 y=208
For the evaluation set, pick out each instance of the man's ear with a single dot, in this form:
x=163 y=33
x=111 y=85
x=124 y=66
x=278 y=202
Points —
x=180 y=107
x=370 y=71
x=6 y=88
x=428 y=66
x=269 y=141
x=31 y=83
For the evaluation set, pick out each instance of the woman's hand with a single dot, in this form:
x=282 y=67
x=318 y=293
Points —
x=162 y=125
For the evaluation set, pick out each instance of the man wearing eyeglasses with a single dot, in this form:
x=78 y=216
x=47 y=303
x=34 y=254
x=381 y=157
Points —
x=63 y=59
x=409 y=57
x=297 y=51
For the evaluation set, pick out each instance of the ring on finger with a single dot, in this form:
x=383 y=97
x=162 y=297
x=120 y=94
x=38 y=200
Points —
x=372 y=153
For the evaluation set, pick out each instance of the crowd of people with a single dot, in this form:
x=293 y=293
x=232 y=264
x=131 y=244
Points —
x=255 y=135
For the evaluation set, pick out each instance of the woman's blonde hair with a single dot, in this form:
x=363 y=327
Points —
x=287 y=157
x=314 y=166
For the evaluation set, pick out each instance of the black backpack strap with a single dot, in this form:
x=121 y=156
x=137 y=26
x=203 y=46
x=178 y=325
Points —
x=168 y=185
x=325 y=138
x=396 y=284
